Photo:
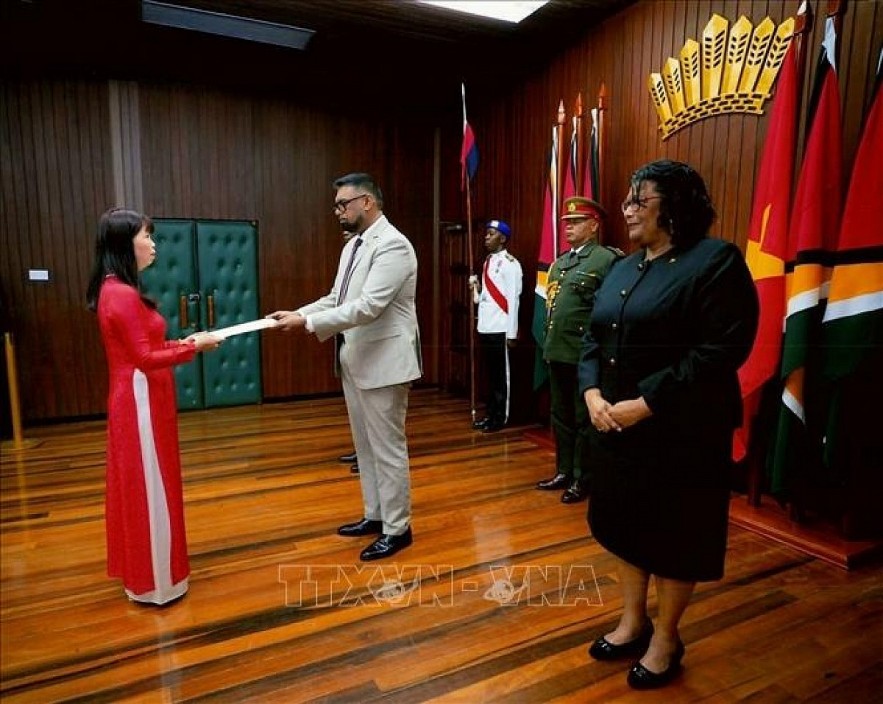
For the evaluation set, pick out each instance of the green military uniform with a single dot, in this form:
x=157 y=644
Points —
x=570 y=295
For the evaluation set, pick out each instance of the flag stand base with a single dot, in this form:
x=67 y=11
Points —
x=820 y=541
x=20 y=446
x=771 y=521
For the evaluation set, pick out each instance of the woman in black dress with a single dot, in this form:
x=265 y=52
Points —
x=672 y=324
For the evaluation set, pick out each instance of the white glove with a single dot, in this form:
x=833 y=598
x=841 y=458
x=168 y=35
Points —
x=473 y=280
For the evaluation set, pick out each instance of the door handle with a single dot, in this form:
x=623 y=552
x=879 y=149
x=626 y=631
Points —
x=210 y=302
x=184 y=302
x=182 y=312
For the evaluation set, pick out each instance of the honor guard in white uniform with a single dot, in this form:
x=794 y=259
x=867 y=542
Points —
x=497 y=295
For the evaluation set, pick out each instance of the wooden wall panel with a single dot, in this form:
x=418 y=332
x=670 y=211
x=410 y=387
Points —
x=622 y=52
x=56 y=175
x=513 y=125
x=204 y=154
x=226 y=153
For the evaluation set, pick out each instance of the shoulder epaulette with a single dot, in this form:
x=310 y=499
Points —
x=510 y=257
x=616 y=250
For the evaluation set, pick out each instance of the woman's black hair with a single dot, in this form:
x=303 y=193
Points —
x=115 y=252
x=685 y=209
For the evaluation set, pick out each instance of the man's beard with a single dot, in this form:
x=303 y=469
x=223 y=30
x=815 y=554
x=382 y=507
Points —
x=349 y=226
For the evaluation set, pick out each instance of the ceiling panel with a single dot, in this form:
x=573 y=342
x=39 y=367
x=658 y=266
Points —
x=389 y=45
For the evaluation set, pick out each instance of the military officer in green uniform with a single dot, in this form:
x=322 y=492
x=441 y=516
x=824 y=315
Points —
x=570 y=295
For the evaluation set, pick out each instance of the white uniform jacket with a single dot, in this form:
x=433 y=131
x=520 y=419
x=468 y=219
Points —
x=505 y=271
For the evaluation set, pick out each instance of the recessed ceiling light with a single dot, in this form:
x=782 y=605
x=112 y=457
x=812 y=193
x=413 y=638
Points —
x=513 y=11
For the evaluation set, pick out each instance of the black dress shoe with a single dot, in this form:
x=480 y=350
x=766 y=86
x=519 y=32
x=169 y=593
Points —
x=386 y=546
x=559 y=481
x=603 y=649
x=481 y=424
x=575 y=493
x=359 y=528
x=493 y=426
x=354 y=469
x=351 y=457
x=640 y=677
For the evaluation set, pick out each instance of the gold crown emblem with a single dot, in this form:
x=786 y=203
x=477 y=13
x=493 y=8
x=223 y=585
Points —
x=738 y=69
x=571 y=207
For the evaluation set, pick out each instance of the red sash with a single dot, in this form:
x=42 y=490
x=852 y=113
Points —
x=492 y=289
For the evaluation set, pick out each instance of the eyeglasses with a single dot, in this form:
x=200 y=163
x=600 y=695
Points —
x=343 y=204
x=637 y=203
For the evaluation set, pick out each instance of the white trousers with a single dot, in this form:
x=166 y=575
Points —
x=377 y=419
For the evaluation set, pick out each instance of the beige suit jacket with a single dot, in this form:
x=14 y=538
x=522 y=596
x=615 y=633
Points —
x=377 y=315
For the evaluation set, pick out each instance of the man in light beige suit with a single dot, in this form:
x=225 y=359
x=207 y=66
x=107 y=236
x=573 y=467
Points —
x=372 y=304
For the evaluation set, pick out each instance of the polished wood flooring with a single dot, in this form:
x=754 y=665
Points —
x=497 y=599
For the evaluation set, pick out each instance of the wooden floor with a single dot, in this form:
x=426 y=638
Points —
x=497 y=599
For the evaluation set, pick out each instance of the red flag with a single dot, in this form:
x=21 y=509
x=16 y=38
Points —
x=767 y=246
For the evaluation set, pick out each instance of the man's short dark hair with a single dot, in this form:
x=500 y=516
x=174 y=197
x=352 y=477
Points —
x=363 y=181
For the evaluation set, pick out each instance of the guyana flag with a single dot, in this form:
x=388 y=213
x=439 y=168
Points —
x=815 y=222
x=547 y=254
x=767 y=246
x=853 y=322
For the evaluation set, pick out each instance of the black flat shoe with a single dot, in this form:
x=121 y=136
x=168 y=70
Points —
x=360 y=528
x=640 y=677
x=354 y=468
x=603 y=649
x=481 y=424
x=559 y=481
x=346 y=459
x=386 y=546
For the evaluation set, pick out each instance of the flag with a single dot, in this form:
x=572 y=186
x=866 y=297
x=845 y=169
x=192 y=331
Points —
x=469 y=150
x=815 y=221
x=592 y=185
x=852 y=326
x=572 y=184
x=547 y=254
x=581 y=176
x=766 y=250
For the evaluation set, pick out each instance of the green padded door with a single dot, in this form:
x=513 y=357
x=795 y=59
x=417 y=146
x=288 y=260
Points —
x=172 y=282
x=228 y=272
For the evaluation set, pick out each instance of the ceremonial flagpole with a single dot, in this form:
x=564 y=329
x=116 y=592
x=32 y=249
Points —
x=469 y=164
x=602 y=143
x=579 y=168
x=563 y=164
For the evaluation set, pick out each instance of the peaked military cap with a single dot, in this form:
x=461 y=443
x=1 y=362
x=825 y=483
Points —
x=582 y=207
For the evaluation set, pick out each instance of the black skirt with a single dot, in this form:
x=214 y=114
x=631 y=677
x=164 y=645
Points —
x=660 y=500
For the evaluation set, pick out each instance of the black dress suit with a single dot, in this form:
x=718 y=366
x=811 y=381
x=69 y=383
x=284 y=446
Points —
x=675 y=331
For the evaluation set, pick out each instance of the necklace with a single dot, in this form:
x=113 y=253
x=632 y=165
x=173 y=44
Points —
x=650 y=257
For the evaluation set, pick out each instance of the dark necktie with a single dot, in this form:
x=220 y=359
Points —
x=345 y=282
x=344 y=285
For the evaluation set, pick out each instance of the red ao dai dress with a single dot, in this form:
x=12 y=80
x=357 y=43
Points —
x=146 y=543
